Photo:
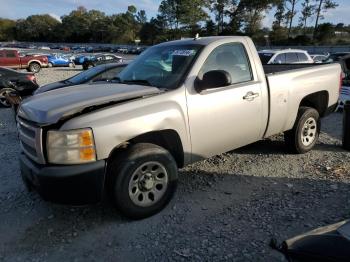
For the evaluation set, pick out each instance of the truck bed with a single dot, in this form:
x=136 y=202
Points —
x=276 y=68
x=289 y=84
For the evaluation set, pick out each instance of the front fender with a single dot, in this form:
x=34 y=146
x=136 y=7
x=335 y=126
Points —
x=119 y=123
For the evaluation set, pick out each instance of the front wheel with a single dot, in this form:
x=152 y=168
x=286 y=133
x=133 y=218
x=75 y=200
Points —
x=303 y=137
x=3 y=100
x=142 y=180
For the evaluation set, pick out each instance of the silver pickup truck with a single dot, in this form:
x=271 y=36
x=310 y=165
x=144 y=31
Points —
x=177 y=103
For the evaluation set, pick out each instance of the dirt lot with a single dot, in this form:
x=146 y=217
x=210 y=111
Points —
x=226 y=208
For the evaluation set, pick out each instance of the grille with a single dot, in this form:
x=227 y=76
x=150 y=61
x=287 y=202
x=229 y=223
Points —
x=30 y=138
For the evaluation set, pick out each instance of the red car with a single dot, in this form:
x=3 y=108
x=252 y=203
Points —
x=12 y=59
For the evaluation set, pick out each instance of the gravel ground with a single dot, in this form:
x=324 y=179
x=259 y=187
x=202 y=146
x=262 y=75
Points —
x=226 y=208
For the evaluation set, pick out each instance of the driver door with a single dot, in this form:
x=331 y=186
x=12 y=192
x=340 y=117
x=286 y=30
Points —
x=225 y=118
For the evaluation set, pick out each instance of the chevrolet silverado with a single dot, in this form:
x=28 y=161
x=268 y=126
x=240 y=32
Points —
x=177 y=103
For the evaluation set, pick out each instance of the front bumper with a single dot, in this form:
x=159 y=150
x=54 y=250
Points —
x=73 y=184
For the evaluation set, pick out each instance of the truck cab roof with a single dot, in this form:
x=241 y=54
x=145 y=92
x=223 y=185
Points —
x=204 y=40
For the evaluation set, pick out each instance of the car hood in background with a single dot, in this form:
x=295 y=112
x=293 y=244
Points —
x=51 y=86
x=49 y=108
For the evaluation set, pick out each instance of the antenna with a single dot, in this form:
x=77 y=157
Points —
x=196 y=37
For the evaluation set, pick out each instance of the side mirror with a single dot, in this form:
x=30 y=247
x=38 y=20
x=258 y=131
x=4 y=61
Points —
x=213 y=79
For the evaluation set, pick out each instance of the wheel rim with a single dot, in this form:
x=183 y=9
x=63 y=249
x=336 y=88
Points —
x=3 y=100
x=309 y=131
x=148 y=184
x=35 y=68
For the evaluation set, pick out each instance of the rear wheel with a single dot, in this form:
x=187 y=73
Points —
x=303 y=137
x=34 y=67
x=143 y=180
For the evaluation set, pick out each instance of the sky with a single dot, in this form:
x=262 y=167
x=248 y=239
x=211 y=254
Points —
x=15 y=9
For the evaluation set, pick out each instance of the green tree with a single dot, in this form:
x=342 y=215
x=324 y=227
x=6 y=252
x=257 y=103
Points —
x=219 y=8
x=76 y=26
x=7 y=29
x=141 y=17
x=184 y=12
x=210 y=28
x=170 y=10
x=280 y=13
x=306 y=12
x=322 y=6
x=325 y=33
x=153 y=31
x=36 y=28
x=254 y=13
x=291 y=13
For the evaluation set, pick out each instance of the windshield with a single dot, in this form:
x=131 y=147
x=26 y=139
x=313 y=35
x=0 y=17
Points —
x=265 y=57
x=160 y=66
x=86 y=75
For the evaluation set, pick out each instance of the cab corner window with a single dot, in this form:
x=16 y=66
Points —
x=231 y=58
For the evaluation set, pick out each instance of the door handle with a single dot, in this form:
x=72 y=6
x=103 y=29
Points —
x=250 y=96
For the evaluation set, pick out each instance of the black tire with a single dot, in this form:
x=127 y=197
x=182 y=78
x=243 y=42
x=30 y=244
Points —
x=34 y=67
x=122 y=171
x=3 y=100
x=296 y=139
x=86 y=66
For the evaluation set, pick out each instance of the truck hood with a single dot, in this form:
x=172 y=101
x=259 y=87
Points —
x=50 y=107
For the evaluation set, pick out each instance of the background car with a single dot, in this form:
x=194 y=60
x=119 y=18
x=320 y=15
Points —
x=24 y=84
x=336 y=57
x=287 y=56
x=101 y=59
x=14 y=59
x=80 y=59
x=105 y=72
x=56 y=60
x=319 y=58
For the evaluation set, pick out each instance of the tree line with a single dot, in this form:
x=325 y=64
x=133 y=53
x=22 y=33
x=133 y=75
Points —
x=295 y=22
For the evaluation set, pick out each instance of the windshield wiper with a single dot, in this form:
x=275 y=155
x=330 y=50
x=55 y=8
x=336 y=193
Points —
x=116 y=79
x=131 y=81
x=137 y=81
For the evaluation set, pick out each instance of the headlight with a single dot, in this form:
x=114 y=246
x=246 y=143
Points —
x=71 y=147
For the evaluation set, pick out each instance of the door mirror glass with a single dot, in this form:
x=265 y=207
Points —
x=213 y=79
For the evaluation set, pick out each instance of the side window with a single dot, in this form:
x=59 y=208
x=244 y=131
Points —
x=232 y=58
x=302 y=57
x=1 y=54
x=291 y=58
x=10 y=55
x=280 y=59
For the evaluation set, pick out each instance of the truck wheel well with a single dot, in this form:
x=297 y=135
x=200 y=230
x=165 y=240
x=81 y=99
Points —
x=34 y=62
x=318 y=100
x=168 y=139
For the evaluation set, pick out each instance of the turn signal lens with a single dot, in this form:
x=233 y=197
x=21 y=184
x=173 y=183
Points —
x=87 y=154
x=86 y=138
